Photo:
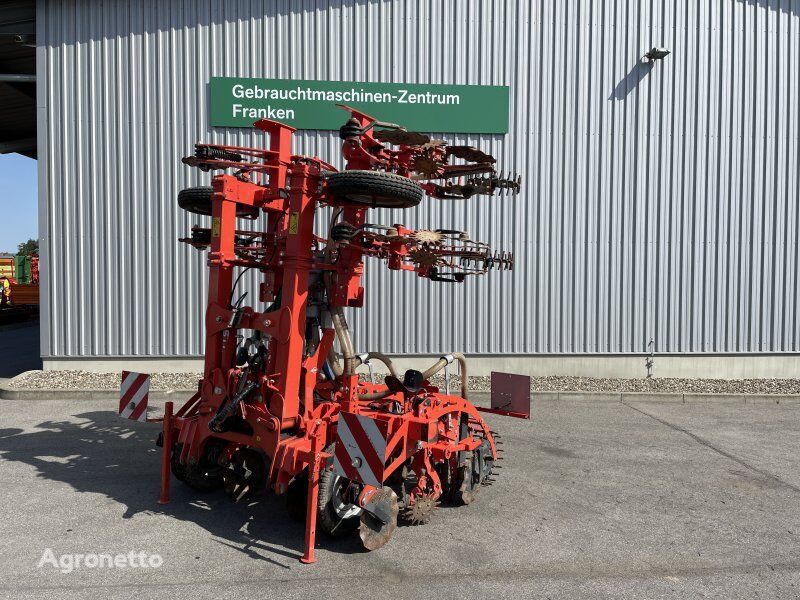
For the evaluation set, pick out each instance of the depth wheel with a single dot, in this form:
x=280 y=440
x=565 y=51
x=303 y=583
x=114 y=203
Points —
x=197 y=200
x=198 y=477
x=373 y=188
x=336 y=515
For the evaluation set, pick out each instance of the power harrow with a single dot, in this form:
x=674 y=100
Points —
x=279 y=407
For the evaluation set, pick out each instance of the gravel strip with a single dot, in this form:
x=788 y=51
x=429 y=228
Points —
x=554 y=383
x=82 y=380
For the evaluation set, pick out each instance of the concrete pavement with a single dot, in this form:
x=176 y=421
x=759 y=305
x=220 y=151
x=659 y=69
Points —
x=642 y=499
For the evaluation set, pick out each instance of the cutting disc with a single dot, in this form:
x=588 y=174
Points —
x=423 y=257
x=421 y=511
x=373 y=532
x=426 y=164
x=425 y=236
x=471 y=154
x=400 y=137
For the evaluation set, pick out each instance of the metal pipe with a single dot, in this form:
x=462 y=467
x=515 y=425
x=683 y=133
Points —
x=446 y=360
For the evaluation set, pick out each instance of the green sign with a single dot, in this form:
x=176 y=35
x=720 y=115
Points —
x=305 y=104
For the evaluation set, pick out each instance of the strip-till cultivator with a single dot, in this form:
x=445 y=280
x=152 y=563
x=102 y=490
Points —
x=278 y=407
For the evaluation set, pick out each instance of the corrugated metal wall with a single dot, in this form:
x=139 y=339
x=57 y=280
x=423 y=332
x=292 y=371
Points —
x=660 y=201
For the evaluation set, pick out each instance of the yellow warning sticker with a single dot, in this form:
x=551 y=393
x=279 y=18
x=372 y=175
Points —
x=293 y=220
x=215 y=227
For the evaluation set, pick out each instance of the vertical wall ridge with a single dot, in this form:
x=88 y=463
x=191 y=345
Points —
x=660 y=201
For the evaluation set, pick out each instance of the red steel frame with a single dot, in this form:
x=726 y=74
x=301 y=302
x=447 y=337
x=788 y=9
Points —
x=289 y=426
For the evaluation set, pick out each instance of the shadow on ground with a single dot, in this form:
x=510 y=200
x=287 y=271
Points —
x=103 y=454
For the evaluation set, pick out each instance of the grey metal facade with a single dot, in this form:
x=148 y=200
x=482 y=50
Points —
x=660 y=201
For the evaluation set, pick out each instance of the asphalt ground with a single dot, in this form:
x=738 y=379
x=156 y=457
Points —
x=595 y=500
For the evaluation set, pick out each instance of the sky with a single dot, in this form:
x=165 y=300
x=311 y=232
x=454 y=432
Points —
x=18 y=205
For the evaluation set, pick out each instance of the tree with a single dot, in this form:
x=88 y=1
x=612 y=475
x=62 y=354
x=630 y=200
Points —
x=29 y=247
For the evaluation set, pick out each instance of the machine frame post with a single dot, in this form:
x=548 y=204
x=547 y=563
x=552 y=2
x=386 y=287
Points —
x=166 y=454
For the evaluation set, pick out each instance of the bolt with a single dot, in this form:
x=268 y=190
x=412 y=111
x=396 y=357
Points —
x=217 y=390
x=218 y=319
x=357 y=462
x=267 y=323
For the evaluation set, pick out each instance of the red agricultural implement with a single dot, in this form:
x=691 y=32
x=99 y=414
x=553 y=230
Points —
x=279 y=407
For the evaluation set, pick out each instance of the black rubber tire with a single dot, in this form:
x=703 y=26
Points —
x=193 y=475
x=197 y=200
x=374 y=189
x=327 y=519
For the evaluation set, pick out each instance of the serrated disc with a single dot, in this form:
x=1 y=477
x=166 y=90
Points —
x=425 y=236
x=399 y=137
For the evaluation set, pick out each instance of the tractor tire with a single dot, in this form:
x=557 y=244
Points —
x=374 y=189
x=329 y=514
x=197 y=200
x=195 y=476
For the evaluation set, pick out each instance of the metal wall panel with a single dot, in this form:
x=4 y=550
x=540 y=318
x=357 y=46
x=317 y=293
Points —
x=660 y=201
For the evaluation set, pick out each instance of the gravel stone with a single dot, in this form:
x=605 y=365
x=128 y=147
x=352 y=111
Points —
x=83 y=380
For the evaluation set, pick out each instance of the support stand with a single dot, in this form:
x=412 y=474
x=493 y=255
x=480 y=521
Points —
x=166 y=454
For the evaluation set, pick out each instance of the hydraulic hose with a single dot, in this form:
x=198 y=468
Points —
x=438 y=366
x=381 y=357
x=333 y=361
x=345 y=340
x=337 y=315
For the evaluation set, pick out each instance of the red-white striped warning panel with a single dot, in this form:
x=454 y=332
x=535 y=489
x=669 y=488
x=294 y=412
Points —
x=133 y=396
x=360 y=451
